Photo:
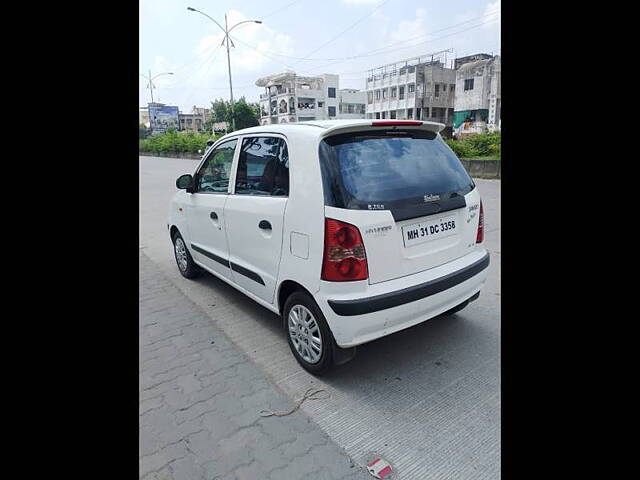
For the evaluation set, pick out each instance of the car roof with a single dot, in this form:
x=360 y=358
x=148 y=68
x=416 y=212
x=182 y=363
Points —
x=322 y=128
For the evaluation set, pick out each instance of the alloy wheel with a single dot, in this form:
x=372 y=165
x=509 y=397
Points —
x=305 y=334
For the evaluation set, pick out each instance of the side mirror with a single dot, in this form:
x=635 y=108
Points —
x=185 y=182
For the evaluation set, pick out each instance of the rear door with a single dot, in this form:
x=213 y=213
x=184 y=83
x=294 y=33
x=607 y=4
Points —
x=254 y=213
x=408 y=194
x=205 y=209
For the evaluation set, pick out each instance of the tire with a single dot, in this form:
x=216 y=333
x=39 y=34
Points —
x=456 y=309
x=303 y=333
x=185 y=263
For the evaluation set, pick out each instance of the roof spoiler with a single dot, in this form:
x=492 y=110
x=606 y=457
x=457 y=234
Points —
x=353 y=126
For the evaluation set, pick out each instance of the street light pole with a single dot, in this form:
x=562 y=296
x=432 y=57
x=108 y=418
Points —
x=226 y=31
x=233 y=118
x=151 y=79
x=151 y=86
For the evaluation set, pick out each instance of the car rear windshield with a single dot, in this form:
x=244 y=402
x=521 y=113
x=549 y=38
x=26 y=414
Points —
x=383 y=169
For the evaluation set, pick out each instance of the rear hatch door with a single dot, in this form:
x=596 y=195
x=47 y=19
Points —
x=411 y=198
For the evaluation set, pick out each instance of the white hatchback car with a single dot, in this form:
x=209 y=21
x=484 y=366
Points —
x=349 y=229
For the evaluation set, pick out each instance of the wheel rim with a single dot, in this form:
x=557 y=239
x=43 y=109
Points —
x=304 y=333
x=181 y=255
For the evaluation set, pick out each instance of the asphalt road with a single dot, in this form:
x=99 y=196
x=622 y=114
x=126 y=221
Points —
x=427 y=399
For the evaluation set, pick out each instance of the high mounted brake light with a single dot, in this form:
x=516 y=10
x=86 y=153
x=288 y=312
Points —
x=344 y=257
x=392 y=123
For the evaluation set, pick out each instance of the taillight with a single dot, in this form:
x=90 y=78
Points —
x=480 y=234
x=344 y=257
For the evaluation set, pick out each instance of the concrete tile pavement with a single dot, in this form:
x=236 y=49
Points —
x=200 y=402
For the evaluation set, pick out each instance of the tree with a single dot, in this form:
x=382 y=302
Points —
x=245 y=114
x=143 y=131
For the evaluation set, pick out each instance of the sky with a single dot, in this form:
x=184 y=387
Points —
x=310 y=37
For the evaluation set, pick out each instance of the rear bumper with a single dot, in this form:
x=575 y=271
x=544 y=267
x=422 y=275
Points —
x=361 y=306
x=398 y=304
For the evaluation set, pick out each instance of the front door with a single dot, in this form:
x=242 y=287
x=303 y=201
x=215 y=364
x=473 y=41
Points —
x=205 y=215
x=254 y=214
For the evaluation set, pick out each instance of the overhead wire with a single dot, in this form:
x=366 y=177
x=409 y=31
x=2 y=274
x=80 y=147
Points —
x=280 y=9
x=411 y=46
x=309 y=72
x=380 y=5
x=377 y=51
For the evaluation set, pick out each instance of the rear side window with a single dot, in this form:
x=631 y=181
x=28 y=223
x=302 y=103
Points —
x=263 y=167
x=380 y=170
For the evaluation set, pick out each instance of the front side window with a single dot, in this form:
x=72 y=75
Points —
x=263 y=167
x=213 y=176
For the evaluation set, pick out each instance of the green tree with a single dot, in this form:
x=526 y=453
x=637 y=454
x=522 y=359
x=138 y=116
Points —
x=245 y=114
x=143 y=131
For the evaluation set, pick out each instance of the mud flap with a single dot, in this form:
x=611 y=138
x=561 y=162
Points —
x=342 y=355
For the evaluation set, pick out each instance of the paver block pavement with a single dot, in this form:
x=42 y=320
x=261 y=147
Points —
x=200 y=402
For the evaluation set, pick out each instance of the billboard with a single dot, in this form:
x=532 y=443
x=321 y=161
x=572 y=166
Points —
x=162 y=118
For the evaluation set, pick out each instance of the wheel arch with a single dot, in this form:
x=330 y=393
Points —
x=286 y=288
x=173 y=230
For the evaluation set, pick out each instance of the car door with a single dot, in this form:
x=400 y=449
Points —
x=205 y=207
x=254 y=213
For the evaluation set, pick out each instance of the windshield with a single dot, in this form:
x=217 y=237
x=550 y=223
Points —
x=383 y=169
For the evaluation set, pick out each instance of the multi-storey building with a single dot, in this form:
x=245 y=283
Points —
x=478 y=98
x=352 y=103
x=293 y=98
x=195 y=120
x=415 y=88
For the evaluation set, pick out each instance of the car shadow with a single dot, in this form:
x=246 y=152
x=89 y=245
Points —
x=435 y=347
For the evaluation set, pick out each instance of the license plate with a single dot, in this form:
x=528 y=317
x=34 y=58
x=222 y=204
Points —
x=422 y=232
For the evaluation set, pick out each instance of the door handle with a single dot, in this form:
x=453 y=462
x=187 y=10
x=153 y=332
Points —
x=264 y=225
x=213 y=215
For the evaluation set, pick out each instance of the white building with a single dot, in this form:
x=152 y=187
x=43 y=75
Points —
x=294 y=98
x=352 y=103
x=478 y=98
x=420 y=88
x=143 y=116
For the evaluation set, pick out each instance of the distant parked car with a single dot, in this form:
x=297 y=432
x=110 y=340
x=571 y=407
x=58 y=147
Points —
x=349 y=229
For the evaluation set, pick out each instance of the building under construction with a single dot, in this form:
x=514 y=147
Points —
x=420 y=88
x=478 y=99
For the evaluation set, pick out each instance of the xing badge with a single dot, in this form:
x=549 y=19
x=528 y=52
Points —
x=377 y=230
x=431 y=198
